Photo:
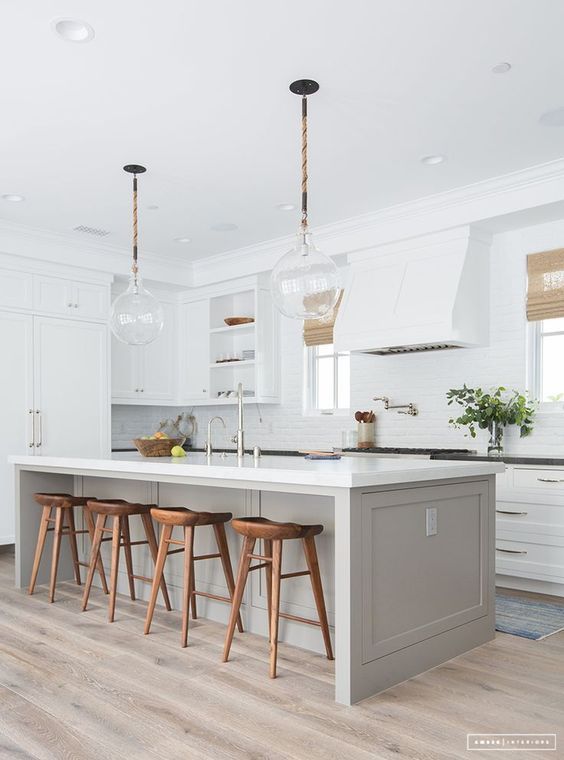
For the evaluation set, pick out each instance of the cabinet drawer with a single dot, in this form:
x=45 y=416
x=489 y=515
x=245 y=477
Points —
x=513 y=514
x=531 y=560
x=16 y=289
x=545 y=480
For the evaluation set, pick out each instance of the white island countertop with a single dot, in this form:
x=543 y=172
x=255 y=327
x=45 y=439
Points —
x=348 y=472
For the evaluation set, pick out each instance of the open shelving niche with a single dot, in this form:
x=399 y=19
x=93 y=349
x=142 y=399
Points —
x=260 y=375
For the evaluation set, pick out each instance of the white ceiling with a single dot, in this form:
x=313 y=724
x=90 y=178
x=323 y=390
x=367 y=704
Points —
x=198 y=92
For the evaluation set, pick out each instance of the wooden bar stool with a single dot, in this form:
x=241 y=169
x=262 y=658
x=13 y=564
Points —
x=120 y=511
x=273 y=534
x=63 y=505
x=188 y=520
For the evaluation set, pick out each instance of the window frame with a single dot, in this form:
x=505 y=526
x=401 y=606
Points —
x=310 y=383
x=534 y=367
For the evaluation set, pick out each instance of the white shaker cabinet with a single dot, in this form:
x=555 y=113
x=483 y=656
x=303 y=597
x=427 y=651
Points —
x=147 y=374
x=54 y=394
x=56 y=295
x=195 y=351
x=16 y=407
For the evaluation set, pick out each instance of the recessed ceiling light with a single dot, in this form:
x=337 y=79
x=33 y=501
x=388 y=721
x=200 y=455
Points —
x=433 y=160
x=501 y=68
x=182 y=240
x=72 y=30
x=285 y=206
x=13 y=197
x=153 y=207
x=224 y=227
x=553 y=118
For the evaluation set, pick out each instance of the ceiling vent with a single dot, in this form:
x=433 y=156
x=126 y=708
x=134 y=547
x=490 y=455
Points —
x=91 y=230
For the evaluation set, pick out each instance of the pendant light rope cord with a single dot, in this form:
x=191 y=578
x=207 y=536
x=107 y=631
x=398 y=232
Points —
x=134 y=267
x=304 y=163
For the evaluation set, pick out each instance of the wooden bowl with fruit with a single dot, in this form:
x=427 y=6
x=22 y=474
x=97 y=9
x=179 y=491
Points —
x=159 y=445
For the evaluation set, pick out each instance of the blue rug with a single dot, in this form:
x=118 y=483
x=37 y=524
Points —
x=527 y=618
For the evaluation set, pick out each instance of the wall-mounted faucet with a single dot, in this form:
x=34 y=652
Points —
x=410 y=408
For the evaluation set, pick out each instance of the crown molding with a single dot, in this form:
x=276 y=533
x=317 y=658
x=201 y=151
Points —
x=528 y=188
x=46 y=245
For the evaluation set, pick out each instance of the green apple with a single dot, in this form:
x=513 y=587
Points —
x=177 y=451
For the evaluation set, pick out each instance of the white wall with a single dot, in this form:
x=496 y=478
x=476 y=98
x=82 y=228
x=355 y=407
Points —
x=421 y=378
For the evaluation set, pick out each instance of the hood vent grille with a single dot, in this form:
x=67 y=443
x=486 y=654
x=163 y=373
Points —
x=91 y=230
x=411 y=349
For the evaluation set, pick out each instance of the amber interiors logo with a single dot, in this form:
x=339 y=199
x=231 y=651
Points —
x=506 y=742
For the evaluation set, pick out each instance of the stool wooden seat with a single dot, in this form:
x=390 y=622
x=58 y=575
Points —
x=187 y=519
x=63 y=505
x=273 y=534
x=119 y=511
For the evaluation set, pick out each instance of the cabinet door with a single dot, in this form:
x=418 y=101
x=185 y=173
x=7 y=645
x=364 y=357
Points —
x=16 y=401
x=195 y=351
x=71 y=388
x=16 y=289
x=126 y=371
x=91 y=301
x=159 y=362
x=53 y=295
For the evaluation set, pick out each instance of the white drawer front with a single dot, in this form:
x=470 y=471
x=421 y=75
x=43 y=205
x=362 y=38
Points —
x=531 y=560
x=545 y=480
x=521 y=515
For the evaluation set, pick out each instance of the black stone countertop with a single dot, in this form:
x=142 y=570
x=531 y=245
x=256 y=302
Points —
x=545 y=461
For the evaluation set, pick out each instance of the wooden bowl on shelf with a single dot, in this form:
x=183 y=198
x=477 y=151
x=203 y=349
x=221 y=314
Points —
x=157 y=447
x=233 y=321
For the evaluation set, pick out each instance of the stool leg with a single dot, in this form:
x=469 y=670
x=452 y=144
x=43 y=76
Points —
x=43 y=525
x=73 y=546
x=159 y=567
x=152 y=541
x=56 y=551
x=114 y=567
x=193 y=605
x=127 y=551
x=94 y=557
x=313 y=566
x=89 y=520
x=223 y=547
x=268 y=573
x=242 y=573
x=276 y=572
x=188 y=585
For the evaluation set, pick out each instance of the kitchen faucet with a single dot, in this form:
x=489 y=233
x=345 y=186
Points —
x=209 y=449
x=240 y=432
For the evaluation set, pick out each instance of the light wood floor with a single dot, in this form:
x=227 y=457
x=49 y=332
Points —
x=72 y=686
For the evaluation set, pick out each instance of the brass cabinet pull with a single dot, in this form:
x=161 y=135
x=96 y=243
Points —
x=509 y=551
x=508 y=512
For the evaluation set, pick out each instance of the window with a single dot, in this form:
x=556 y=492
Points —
x=327 y=379
x=546 y=377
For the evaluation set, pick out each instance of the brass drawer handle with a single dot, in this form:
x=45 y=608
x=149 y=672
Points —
x=549 y=480
x=507 y=512
x=509 y=551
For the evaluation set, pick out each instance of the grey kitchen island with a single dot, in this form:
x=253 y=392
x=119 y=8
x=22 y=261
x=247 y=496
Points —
x=407 y=555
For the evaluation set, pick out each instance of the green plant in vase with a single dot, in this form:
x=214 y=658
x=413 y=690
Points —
x=492 y=411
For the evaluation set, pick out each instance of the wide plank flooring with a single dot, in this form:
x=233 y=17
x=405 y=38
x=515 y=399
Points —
x=72 y=686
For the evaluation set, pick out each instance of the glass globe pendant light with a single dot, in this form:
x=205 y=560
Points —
x=305 y=283
x=137 y=317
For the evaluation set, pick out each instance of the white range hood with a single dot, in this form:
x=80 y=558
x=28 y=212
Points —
x=426 y=293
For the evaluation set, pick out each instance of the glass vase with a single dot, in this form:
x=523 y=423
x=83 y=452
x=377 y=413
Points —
x=495 y=444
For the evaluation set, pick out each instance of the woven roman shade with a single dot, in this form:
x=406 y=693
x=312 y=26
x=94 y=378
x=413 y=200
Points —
x=545 y=289
x=319 y=332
